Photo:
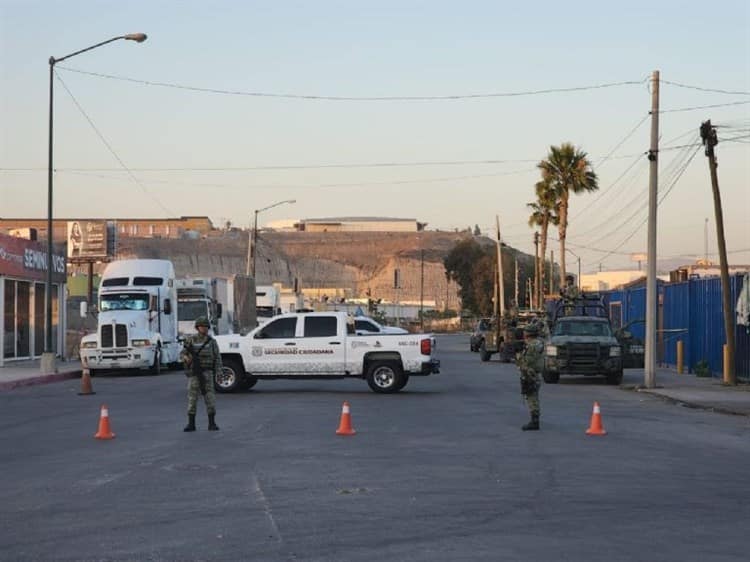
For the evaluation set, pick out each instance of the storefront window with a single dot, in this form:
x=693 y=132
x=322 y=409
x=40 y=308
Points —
x=23 y=319
x=9 y=320
x=55 y=317
x=39 y=308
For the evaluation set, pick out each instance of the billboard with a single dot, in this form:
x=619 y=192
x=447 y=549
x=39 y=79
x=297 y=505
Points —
x=87 y=240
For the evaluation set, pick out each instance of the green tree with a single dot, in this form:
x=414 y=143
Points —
x=460 y=267
x=567 y=170
x=543 y=213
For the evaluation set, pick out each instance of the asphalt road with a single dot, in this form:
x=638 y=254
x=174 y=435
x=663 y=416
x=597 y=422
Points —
x=439 y=472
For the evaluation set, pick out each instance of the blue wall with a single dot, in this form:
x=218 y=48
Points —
x=691 y=312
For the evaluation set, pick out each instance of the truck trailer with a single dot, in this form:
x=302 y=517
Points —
x=227 y=302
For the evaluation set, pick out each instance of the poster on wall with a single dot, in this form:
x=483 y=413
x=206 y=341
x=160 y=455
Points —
x=87 y=239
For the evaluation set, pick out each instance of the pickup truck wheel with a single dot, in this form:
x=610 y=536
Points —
x=384 y=377
x=231 y=377
x=484 y=355
x=615 y=378
x=551 y=378
x=404 y=381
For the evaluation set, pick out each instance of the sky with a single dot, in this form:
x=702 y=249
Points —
x=198 y=142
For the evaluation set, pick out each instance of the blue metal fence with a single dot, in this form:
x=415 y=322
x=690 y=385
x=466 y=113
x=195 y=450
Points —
x=690 y=312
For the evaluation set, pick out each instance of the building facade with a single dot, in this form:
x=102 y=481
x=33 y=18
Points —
x=23 y=274
x=126 y=228
x=360 y=224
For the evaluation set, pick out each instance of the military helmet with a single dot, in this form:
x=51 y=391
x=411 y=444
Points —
x=531 y=330
x=202 y=321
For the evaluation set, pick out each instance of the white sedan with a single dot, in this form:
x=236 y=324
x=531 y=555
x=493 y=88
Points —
x=365 y=326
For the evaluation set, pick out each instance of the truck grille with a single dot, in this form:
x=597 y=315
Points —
x=581 y=355
x=120 y=335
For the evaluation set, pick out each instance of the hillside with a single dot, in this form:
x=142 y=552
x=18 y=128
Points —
x=350 y=262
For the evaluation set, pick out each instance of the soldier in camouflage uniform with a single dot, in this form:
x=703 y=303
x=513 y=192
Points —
x=205 y=348
x=531 y=363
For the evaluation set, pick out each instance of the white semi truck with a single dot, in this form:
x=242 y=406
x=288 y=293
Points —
x=227 y=302
x=137 y=320
x=267 y=302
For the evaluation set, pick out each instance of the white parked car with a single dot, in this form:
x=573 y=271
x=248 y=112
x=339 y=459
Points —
x=364 y=326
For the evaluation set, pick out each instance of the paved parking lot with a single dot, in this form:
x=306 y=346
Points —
x=438 y=472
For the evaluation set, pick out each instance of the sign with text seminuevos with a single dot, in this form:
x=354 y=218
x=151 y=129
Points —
x=27 y=259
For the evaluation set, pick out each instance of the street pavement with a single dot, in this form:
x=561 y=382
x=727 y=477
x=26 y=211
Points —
x=439 y=472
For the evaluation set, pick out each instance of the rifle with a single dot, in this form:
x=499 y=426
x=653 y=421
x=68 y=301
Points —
x=195 y=365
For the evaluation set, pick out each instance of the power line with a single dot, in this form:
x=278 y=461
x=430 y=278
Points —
x=702 y=89
x=308 y=186
x=306 y=166
x=109 y=147
x=353 y=98
x=704 y=107
x=661 y=200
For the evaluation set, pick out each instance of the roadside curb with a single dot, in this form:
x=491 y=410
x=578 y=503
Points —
x=686 y=404
x=41 y=379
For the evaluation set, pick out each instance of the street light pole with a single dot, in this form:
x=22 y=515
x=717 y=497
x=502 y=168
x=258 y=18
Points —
x=253 y=247
x=579 y=266
x=48 y=358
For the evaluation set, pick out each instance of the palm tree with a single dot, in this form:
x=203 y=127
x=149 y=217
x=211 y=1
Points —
x=544 y=213
x=567 y=169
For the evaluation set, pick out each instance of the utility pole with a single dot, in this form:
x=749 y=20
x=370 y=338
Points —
x=708 y=134
x=535 y=301
x=649 y=371
x=421 y=294
x=500 y=281
x=515 y=292
x=551 y=271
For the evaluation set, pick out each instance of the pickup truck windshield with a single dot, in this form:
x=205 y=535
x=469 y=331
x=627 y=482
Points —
x=582 y=328
x=124 y=301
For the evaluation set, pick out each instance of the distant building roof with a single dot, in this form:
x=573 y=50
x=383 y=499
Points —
x=358 y=219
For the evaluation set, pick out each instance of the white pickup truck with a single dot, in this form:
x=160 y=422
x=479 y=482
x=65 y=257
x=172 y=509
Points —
x=323 y=345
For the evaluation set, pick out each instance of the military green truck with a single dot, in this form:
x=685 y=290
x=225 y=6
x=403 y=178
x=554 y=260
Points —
x=581 y=341
x=506 y=338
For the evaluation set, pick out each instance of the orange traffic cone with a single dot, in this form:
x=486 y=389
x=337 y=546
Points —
x=595 y=427
x=86 y=387
x=345 y=426
x=104 y=431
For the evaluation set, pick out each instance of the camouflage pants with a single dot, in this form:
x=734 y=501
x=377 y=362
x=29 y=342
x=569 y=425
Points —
x=194 y=391
x=532 y=401
x=532 y=398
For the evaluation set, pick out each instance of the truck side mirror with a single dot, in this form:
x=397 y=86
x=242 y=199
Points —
x=153 y=303
x=219 y=310
x=84 y=309
x=167 y=306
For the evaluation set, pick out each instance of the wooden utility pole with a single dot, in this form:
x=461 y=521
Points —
x=515 y=292
x=421 y=294
x=649 y=364
x=500 y=284
x=708 y=134
x=535 y=301
x=551 y=272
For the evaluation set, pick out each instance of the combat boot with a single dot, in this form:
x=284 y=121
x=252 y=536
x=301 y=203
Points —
x=191 y=423
x=533 y=424
x=212 y=423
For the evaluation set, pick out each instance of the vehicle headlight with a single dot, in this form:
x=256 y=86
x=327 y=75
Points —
x=141 y=343
x=551 y=351
x=615 y=351
x=88 y=345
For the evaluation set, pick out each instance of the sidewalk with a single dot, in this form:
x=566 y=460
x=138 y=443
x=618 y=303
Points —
x=694 y=392
x=15 y=374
